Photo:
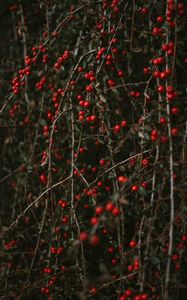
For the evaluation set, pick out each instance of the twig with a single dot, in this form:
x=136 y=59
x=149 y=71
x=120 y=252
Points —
x=33 y=203
x=118 y=279
x=171 y=166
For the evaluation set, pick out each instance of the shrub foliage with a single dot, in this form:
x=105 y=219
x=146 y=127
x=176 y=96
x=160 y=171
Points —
x=93 y=149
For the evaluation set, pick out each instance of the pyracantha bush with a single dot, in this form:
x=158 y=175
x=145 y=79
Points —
x=93 y=150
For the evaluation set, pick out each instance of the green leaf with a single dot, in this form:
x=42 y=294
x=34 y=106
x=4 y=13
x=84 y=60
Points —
x=142 y=191
x=155 y=260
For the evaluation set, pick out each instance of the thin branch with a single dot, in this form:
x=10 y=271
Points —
x=33 y=203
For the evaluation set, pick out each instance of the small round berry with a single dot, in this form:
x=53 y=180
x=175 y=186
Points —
x=94 y=240
x=117 y=128
x=175 y=110
x=83 y=236
x=132 y=243
x=134 y=188
x=93 y=291
x=160 y=19
x=94 y=221
x=109 y=206
x=116 y=211
x=111 y=83
x=89 y=88
x=163 y=121
x=145 y=162
x=175 y=131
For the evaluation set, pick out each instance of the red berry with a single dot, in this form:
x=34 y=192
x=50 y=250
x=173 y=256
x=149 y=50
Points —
x=177 y=267
x=94 y=240
x=163 y=139
x=154 y=135
x=123 y=123
x=111 y=83
x=94 y=221
x=117 y=128
x=89 y=88
x=93 y=291
x=168 y=71
x=128 y=293
x=175 y=110
x=146 y=70
x=65 y=220
x=120 y=73
x=161 y=88
x=111 y=250
x=145 y=185
x=184 y=237
x=175 y=131
x=144 y=297
x=163 y=75
x=116 y=211
x=86 y=103
x=53 y=250
x=134 y=188
x=156 y=74
x=144 y=10
x=83 y=236
x=165 y=47
x=109 y=206
x=114 y=261
x=160 y=19
x=43 y=178
x=163 y=121
x=130 y=268
x=99 y=210
x=102 y=162
x=132 y=243
x=145 y=162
